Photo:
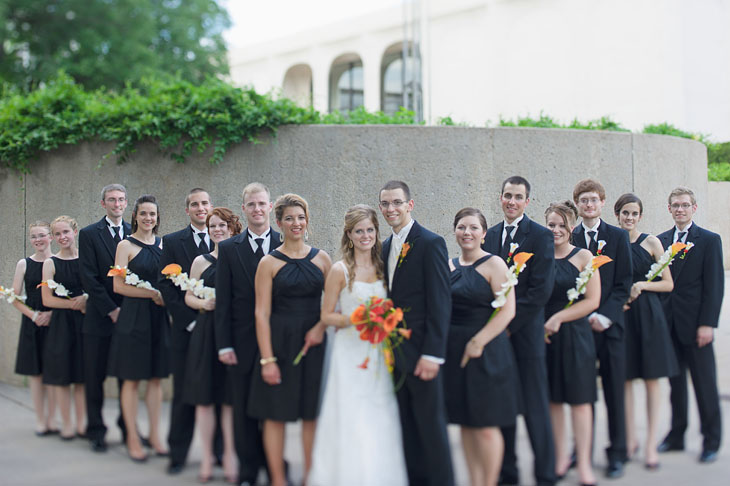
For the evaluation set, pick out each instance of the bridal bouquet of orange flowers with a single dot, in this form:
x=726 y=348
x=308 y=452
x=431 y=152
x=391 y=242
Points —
x=381 y=323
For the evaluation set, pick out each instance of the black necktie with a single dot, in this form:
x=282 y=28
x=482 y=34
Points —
x=117 y=238
x=593 y=245
x=260 y=250
x=202 y=246
x=681 y=235
x=507 y=241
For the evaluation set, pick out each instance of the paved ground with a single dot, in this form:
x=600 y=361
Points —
x=26 y=459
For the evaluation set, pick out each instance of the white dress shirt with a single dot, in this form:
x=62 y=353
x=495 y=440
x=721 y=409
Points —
x=110 y=227
x=586 y=229
x=685 y=230
x=514 y=223
x=266 y=243
x=196 y=238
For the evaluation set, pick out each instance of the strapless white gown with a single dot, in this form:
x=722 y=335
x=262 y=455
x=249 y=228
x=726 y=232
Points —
x=358 y=437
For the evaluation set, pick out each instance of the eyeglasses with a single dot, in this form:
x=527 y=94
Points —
x=396 y=204
x=676 y=206
x=114 y=200
x=586 y=200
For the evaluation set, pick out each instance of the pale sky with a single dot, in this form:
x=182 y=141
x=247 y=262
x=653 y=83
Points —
x=257 y=21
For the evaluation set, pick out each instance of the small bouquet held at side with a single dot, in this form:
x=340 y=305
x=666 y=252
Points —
x=174 y=272
x=584 y=276
x=9 y=295
x=130 y=278
x=666 y=259
x=58 y=288
x=500 y=298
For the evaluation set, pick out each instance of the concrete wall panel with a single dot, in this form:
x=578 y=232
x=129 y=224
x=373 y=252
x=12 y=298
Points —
x=334 y=167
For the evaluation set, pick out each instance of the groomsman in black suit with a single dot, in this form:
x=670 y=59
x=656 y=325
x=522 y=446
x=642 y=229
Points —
x=182 y=247
x=693 y=311
x=526 y=329
x=608 y=321
x=416 y=264
x=235 y=330
x=97 y=247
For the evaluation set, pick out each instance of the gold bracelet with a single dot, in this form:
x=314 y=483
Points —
x=265 y=361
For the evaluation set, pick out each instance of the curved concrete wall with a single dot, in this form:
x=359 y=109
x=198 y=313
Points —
x=334 y=167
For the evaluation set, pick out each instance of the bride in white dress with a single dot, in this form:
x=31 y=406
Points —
x=358 y=437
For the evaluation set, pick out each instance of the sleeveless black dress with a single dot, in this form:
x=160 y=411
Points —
x=649 y=349
x=32 y=338
x=205 y=375
x=63 y=357
x=571 y=354
x=141 y=338
x=484 y=393
x=295 y=306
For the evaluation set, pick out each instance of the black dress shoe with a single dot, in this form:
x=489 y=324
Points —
x=175 y=467
x=144 y=441
x=615 y=469
x=668 y=445
x=98 y=445
x=708 y=456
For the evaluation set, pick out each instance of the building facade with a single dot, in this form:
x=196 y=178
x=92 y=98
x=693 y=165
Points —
x=637 y=61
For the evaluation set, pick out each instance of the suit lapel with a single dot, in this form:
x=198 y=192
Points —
x=188 y=246
x=693 y=235
x=523 y=231
x=410 y=239
x=106 y=238
x=386 y=252
x=579 y=238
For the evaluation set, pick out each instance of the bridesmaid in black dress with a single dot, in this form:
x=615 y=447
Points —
x=480 y=370
x=649 y=350
x=571 y=354
x=139 y=347
x=63 y=353
x=34 y=326
x=206 y=383
x=289 y=284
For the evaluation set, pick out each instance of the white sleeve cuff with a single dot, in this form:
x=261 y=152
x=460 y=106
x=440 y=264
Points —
x=433 y=359
x=223 y=351
x=605 y=321
x=190 y=327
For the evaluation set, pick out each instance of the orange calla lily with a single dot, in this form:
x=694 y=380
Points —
x=117 y=272
x=677 y=247
x=390 y=322
x=172 y=269
x=600 y=260
x=42 y=284
x=358 y=315
x=406 y=333
x=522 y=257
x=364 y=364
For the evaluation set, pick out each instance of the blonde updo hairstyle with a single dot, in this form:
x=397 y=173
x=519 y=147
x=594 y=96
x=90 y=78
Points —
x=64 y=219
x=40 y=224
x=566 y=210
x=353 y=216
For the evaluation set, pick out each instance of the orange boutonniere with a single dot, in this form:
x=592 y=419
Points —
x=403 y=253
x=686 y=249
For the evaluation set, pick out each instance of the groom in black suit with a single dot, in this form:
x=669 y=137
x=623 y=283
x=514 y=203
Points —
x=693 y=312
x=608 y=321
x=526 y=329
x=416 y=263
x=97 y=248
x=182 y=247
x=235 y=329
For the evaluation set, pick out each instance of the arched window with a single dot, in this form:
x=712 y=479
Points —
x=399 y=83
x=297 y=84
x=346 y=83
